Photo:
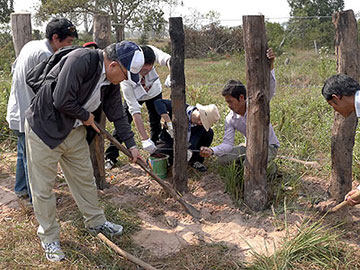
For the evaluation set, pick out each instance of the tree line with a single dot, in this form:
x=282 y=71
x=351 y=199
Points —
x=310 y=23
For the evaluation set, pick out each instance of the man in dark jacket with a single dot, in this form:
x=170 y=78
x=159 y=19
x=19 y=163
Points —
x=84 y=83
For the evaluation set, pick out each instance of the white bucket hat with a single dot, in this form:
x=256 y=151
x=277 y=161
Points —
x=209 y=114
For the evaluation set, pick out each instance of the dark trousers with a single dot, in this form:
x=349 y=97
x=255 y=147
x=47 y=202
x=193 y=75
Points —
x=199 y=137
x=112 y=152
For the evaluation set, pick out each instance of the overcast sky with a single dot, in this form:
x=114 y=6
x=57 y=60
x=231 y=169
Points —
x=231 y=11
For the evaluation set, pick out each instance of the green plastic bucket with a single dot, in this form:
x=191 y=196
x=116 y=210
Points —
x=159 y=164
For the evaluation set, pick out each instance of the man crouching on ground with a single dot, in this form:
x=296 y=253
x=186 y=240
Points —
x=343 y=94
x=84 y=83
x=234 y=93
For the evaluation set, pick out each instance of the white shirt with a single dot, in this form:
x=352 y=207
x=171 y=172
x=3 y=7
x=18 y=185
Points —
x=21 y=94
x=357 y=103
x=133 y=93
x=95 y=99
x=235 y=122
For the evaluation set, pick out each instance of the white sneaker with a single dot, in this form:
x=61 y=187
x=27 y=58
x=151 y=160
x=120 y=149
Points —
x=108 y=228
x=109 y=164
x=53 y=251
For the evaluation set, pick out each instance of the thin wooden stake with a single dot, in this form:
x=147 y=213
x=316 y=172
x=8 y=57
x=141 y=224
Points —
x=124 y=254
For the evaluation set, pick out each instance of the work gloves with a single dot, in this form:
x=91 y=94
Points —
x=167 y=82
x=148 y=145
x=170 y=129
x=189 y=155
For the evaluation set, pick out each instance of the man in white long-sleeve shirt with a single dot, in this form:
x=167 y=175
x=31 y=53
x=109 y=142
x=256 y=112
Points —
x=146 y=91
x=343 y=94
x=60 y=32
x=235 y=96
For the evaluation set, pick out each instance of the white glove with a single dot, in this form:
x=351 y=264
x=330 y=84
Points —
x=170 y=129
x=148 y=145
x=189 y=154
x=167 y=82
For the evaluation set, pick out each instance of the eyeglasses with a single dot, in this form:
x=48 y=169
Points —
x=71 y=28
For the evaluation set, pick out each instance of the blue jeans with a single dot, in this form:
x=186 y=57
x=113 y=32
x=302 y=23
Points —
x=22 y=180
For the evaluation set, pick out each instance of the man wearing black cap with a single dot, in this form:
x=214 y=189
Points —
x=82 y=85
x=60 y=32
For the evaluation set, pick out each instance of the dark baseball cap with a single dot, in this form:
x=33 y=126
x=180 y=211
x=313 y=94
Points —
x=131 y=57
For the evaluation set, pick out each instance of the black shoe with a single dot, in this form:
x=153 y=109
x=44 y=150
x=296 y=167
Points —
x=199 y=166
x=109 y=164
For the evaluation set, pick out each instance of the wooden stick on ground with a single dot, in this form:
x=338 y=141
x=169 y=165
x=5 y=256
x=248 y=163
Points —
x=355 y=196
x=191 y=210
x=124 y=254
x=306 y=163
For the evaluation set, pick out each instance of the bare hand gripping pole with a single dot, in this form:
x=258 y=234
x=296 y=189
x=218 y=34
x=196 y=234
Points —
x=355 y=197
x=191 y=210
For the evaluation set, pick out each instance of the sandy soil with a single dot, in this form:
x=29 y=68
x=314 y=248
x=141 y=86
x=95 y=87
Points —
x=166 y=228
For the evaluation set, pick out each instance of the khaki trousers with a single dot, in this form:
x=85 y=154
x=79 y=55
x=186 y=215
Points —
x=74 y=158
x=239 y=152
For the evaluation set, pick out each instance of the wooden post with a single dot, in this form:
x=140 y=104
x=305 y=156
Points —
x=21 y=30
x=258 y=112
x=178 y=102
x=102 y=33
x=102 y=30
x=343 y=131
x=97 y=156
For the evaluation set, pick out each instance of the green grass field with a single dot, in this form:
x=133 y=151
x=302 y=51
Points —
x=302 y=121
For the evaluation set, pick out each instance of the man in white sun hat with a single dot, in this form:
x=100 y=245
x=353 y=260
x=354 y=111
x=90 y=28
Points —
x=199 y=134
x=60 y=118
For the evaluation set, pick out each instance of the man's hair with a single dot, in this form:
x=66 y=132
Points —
x=149 y=55
x=235 y=89
x=62 y=27
x=340 y=85
x=110 y=52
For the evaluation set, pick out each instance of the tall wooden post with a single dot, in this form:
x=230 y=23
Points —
x=178 y=99
x=21 y=30
x=343 y=131
x=258 y=113
x=102 y=30
x=102 y=33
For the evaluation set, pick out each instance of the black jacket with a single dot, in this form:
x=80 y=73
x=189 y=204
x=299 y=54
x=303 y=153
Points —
x=68 y=86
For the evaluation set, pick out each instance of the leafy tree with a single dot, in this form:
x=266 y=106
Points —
x=275 y=33
x=315 y=7
x=312 y=21
x=152 y=20
x=6 y=7
x=122 y=12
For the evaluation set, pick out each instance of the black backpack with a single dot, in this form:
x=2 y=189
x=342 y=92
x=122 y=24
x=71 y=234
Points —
x=37 y=74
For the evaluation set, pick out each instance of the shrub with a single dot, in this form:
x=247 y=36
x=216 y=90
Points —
x=212 y=39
